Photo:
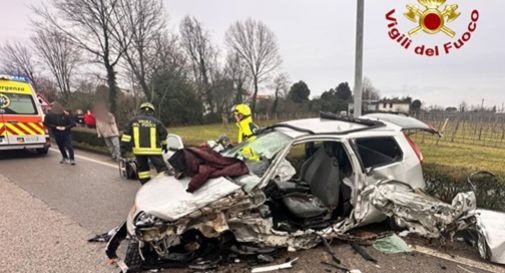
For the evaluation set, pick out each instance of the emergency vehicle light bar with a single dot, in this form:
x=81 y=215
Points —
x=14 y=78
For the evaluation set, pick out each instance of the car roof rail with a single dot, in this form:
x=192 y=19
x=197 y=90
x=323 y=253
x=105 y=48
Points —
x=282 y=125
x=387 y=112
x=361 y=121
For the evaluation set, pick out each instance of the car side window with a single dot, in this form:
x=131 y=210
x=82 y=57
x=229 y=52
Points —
x=378 y=151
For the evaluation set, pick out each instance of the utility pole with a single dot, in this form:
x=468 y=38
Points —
x=358 y=69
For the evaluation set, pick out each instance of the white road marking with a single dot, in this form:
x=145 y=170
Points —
x=458 y=259
x=88 y=159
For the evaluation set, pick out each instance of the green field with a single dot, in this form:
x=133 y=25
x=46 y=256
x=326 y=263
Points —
x=464 y=157
x=195 y=135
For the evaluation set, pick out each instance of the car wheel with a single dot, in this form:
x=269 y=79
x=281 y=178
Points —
x=132 y=258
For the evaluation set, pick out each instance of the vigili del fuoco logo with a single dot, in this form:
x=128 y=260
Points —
x=431 y=18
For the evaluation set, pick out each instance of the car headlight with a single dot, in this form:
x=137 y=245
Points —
x=145 y=219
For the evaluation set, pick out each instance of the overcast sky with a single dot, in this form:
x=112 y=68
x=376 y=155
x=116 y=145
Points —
x=316 y=39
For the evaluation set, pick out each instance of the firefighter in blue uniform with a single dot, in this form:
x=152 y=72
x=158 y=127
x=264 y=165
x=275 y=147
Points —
x=147 y=137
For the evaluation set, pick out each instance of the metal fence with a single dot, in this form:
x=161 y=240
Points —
x=472 y=128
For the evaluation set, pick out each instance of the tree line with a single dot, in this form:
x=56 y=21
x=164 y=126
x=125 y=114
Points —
x=81 y=52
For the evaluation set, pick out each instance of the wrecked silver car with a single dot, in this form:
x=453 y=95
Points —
x=308 y=179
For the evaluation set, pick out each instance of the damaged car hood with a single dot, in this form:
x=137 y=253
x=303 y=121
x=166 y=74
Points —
x=152 y=198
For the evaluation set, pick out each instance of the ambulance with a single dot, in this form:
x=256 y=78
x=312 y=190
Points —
x=21 y=117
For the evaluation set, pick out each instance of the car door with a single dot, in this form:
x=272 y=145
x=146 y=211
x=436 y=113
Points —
x=387 y=157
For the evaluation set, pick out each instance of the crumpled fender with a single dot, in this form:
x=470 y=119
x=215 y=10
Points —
x=419 y=213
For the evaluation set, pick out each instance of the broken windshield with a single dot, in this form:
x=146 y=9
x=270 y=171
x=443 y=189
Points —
x=266 y=145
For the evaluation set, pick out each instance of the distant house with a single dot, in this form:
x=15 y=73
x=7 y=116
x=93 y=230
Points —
x=393 y=105
x=368 y=107
x=384 y=105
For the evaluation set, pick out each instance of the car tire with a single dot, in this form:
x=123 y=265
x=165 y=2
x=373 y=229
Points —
x=43 y=151
x=132 y=258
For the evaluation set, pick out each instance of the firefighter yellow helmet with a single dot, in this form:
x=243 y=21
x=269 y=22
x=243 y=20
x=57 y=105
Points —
x=147 y=105
x=243 y=109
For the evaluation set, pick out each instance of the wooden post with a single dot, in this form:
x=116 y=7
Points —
x=442 y=130
x=455 y=130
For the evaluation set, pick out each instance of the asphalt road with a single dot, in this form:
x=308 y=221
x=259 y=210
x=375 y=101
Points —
x=92 y=198
x=91 y=193
x=35 y=238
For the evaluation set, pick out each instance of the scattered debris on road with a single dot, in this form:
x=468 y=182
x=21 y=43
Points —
x=335 y=266
x=391 y=245
x=270 y=268
x=104 y=237
x=362 y=251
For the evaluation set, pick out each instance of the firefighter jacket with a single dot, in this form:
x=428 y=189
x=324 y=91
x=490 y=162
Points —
x=246 y=129
x=145 y=134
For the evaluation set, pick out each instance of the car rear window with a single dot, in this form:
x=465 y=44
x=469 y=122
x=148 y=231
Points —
x=17 y=104
x=378 y=151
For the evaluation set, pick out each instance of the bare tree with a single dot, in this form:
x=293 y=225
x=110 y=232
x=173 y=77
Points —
x=144 y=23
x=170 y=64
x=223 y=88
x=59 y=54
x=196 y=42
x=17 y=58
x=281 y=86
x=93 y=25
x=370 y=92
x=257 y=47
x=236 y=70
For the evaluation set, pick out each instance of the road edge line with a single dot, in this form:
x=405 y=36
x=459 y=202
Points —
x=88 y=159
x=457 y=259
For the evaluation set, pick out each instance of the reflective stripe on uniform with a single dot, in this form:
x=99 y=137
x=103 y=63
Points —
x=136 y=137
x=147 y=151
x=152 y=135
x=144 y=175
x=164 y=142
x=126 y=138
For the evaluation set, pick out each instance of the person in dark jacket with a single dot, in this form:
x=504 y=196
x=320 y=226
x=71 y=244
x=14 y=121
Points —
x=147 y=137
x=60 y=122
